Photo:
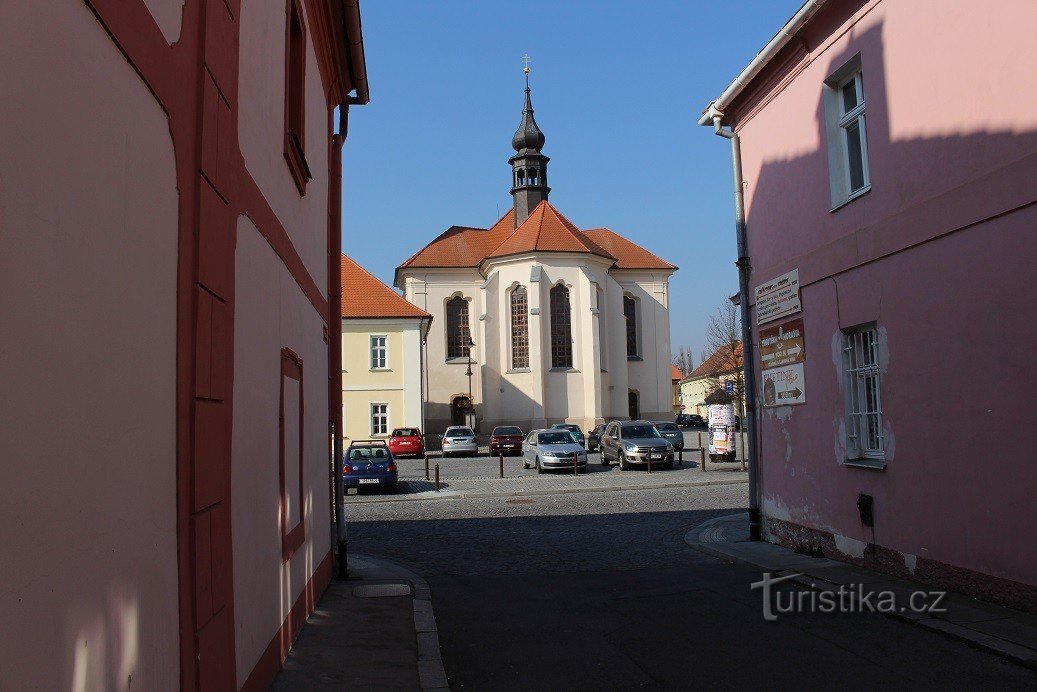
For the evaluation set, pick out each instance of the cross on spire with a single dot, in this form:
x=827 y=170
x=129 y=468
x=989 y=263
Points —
x=525 y=67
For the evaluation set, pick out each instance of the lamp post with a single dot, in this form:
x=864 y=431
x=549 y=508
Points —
x=469 y=345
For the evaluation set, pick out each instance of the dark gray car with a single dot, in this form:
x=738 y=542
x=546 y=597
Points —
x=635 y=442
x=672 y=434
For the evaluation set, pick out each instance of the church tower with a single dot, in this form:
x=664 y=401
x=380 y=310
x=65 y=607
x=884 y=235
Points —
x=528 y=165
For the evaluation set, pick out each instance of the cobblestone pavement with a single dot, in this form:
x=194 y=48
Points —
x=598 y=590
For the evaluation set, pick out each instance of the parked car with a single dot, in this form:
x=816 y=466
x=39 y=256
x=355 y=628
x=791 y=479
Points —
x=594 y=437
x=574 y=429
x=506 y=439
x=672 y=434
x=459 y=439
x=690 y=420
x=635 y=442
x=369 y=463
x=406 y=441
x=552 y=449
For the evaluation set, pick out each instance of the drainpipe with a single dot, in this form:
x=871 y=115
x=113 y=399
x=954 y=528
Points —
x=337 y=140
x=744 y=268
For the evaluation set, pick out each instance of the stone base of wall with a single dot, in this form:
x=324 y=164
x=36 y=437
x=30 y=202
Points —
x=938 y=574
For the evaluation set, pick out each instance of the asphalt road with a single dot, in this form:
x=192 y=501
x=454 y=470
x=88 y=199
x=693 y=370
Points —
x=600 y=591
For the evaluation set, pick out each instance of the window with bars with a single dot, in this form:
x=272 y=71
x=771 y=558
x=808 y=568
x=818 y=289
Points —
x=561 y=328
x=458 y=334
x=379 y=353
x=379 y=419
x=630 y=313
x=519 y=328
x=863 y=395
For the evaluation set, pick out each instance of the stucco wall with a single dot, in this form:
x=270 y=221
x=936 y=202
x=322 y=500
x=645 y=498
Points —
x=272 y=313
x=88 y=251
x=261 y=113
x=935 y=255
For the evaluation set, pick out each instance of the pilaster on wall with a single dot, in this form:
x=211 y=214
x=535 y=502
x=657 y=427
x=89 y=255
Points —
x=537 y=351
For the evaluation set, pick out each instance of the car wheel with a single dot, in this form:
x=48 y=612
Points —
x=623 y=465
x=525 y=462
x=540 y=468
x=604 y=459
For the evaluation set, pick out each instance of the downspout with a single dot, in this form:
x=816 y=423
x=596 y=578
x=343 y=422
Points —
x=337 y=140
x=744 y=269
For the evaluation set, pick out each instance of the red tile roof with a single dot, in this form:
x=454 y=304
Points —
x=723 y=360
x=546 y=229
x=365 y=296
x=675 y=373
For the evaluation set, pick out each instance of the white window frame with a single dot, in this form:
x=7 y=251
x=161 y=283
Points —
x=865 y=439
x=839 y=121
x=379 y=353
x=379 y=417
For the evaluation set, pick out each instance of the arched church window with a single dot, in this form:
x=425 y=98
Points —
x=630 y=313
x=519 y=328
x=458 y=334
x=561 y=328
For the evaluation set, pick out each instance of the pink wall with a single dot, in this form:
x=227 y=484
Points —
x=935 y=254
x=88 y=262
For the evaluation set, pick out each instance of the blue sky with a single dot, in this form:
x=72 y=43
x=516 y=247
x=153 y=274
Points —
x=617 y=87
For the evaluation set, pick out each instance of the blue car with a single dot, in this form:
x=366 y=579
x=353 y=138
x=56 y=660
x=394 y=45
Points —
x=369 y=464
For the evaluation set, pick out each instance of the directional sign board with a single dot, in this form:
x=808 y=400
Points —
x=778 y=297
x=729 y=387
x=782 y=344
x=784 y=386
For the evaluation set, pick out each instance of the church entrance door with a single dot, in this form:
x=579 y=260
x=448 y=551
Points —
x=635 y=410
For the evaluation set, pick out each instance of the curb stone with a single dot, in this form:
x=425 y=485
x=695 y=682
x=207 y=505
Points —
x=711 y=537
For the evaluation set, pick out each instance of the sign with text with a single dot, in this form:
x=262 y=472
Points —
x=784 y=386
x=783 y=344
x=721 y=421
x=778 y=297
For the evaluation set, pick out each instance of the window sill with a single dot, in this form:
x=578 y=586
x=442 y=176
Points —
x=563 y=370
x=865 y=463
x=381 y=369
x=460 y=361
x=863 y=191
x=297 y=165
x=635 y=358
x=517 y=370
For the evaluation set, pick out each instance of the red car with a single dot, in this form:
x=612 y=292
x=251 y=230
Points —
x=406 y=441
x=506 y=439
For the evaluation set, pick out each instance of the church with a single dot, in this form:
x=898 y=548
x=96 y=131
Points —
x=535 y=321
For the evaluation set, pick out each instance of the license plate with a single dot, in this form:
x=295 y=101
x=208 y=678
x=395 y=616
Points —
x=368 y=480
x=654 y=456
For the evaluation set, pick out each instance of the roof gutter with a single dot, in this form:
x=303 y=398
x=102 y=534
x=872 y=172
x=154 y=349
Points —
x=357 y=61
x=719 y=105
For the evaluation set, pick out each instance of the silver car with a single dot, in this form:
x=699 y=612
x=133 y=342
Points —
x=459 y=439
x=552 y=449
x=635 y=442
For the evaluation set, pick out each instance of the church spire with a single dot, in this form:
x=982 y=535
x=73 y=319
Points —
x=528 y=165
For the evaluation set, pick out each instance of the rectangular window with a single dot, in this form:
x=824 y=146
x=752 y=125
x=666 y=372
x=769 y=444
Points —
x=379 y=419
x=295 y=96
x=379 y=353
x=561 y=328
x=291 y=454
x=863 y=395
x=847 y=134
x=630 y=313
x=458 y=334
x=519 y=328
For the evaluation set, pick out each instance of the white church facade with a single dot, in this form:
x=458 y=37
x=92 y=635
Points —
x=540 y=322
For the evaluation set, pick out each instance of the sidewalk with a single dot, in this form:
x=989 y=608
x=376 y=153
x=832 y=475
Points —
x=1008 y=633
x=374 y=631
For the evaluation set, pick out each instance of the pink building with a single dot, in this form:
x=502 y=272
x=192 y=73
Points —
x=169 y=243
x=889 y=159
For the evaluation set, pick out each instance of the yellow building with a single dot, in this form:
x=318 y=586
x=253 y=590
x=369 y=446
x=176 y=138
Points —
x=383 y=385
x=723 y=366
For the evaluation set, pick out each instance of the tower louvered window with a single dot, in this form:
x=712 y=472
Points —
x=561 y=328
x=519 y=328
x=458 y=335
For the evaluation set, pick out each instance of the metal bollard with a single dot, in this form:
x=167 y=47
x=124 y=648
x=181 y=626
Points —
x=680 y=456
x=703 y=462
x=437 y=478
x=576 y=464
x=426 y=467
x=502 y=465
x=649 y=462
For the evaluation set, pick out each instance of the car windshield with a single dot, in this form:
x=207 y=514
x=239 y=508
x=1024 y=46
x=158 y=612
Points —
x=554 y=438
x=460 y=432
x=506 y=430
x=405 y=432
x=640 y=431
x=567 y=426
x=666 y=427
x=368 y=453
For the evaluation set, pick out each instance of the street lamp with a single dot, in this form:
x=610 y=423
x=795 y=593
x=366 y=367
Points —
x=469 y=345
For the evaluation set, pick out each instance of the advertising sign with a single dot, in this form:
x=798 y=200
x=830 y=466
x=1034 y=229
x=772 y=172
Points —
x=783 y=344
x=784 y=386
x=721 y=423
x=778 y=297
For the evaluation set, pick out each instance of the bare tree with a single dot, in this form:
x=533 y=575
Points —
x=724 y=349
x=684 y=361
